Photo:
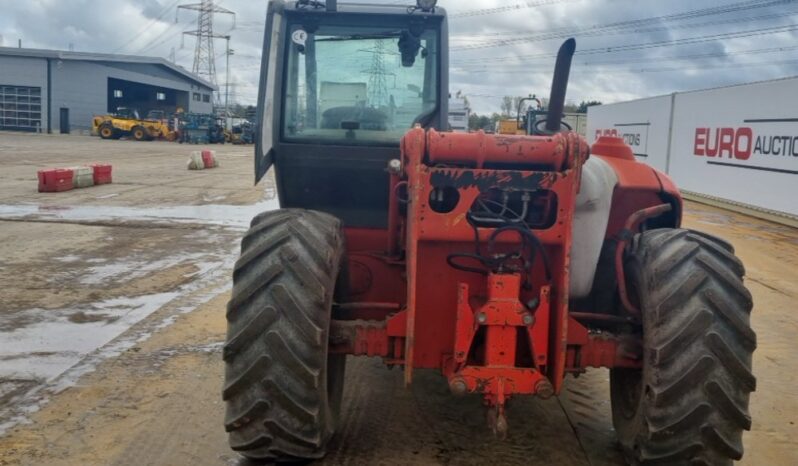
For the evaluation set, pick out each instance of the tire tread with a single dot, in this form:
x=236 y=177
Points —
x=698 y=346
x=276 y=394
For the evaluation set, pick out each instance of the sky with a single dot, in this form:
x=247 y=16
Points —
x=626 y=49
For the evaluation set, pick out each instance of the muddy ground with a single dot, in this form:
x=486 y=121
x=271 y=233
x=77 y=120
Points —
x=111 y=325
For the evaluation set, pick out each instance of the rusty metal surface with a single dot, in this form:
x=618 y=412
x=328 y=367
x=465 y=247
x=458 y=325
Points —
x=359 y=337
x=432 y=236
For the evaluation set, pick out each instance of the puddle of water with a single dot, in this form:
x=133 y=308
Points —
x=132 y=269
x=21 y=409
x=54 y=352
x=237 y=216
x=45 y=349
x=206 y=198
x=68 y=258
x=55 y=349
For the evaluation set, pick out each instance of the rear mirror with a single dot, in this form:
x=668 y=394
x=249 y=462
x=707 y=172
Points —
x=350 y=127
x=409 y=45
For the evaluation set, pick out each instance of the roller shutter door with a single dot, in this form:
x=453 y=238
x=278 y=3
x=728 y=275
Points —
x=20 y=108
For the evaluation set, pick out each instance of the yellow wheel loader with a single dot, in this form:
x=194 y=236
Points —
x=127 y=123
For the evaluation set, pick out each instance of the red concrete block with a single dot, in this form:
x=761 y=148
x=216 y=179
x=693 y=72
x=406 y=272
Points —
x=102 y=173
x=208 y=159
x=53 y=180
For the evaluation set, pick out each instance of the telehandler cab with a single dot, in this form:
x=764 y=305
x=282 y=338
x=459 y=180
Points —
x=505 y=262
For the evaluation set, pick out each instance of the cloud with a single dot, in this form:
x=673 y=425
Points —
x=148 y=27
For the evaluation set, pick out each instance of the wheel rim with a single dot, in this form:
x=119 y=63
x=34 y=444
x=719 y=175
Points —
x=105 y=132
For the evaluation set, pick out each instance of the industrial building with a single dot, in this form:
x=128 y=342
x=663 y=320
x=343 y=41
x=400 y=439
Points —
x=60 y=91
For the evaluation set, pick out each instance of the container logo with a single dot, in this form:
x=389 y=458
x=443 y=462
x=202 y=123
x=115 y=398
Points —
x=634 y=134
x=724 y=142
x=767 y=140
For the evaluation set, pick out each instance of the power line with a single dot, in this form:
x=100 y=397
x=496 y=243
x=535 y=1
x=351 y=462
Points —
x=649 y=30
x=647 y=45
x=694 y=56
x=466 y=13
x=503 y=9
x=793 y=61
x=611 y=69
x=578 y=33
x=152 y=22
x=152 y=44
x=621 y=25
x=635 y=71
x=632 y=61
x=733 y=20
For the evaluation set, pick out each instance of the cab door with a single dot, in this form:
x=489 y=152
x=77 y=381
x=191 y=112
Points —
x=267 y=89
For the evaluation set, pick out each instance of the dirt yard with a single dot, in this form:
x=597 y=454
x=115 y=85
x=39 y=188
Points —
x=112 y=321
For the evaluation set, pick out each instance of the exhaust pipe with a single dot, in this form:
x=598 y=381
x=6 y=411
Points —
x=559 y=85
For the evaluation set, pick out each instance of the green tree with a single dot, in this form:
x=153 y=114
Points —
x=509 y=105
x=485 y=123
x=250 y=113
x=494 y=118
x=585 y=104
x=473 y=122
x=478 y=122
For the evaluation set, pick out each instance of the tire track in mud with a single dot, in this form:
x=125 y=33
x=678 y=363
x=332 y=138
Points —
x=177 y=440
x=384 y=423
x=586 y=402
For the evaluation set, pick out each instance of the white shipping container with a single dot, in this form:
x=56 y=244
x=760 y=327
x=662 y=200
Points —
x=577 y=121
x=739 y=143
x=644 y=124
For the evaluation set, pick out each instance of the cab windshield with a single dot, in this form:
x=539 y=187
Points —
x=355 y=85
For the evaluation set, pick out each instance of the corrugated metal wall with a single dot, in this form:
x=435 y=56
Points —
x=26 y=72
x=82 y=85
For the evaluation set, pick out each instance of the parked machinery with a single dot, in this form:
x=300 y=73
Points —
x=505 y=262
x=126 y=122
x=200 y=128
x=508 y=126
x=242 y=133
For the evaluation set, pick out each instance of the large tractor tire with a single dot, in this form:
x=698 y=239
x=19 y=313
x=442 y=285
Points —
x=689 y=403
x=282 y=388
x=139 y=133
x=107 y=131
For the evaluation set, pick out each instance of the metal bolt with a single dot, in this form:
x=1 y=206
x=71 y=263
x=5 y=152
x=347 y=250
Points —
x=528 y=319
x=458 y=386
x=482 y=318
x=395 y=166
